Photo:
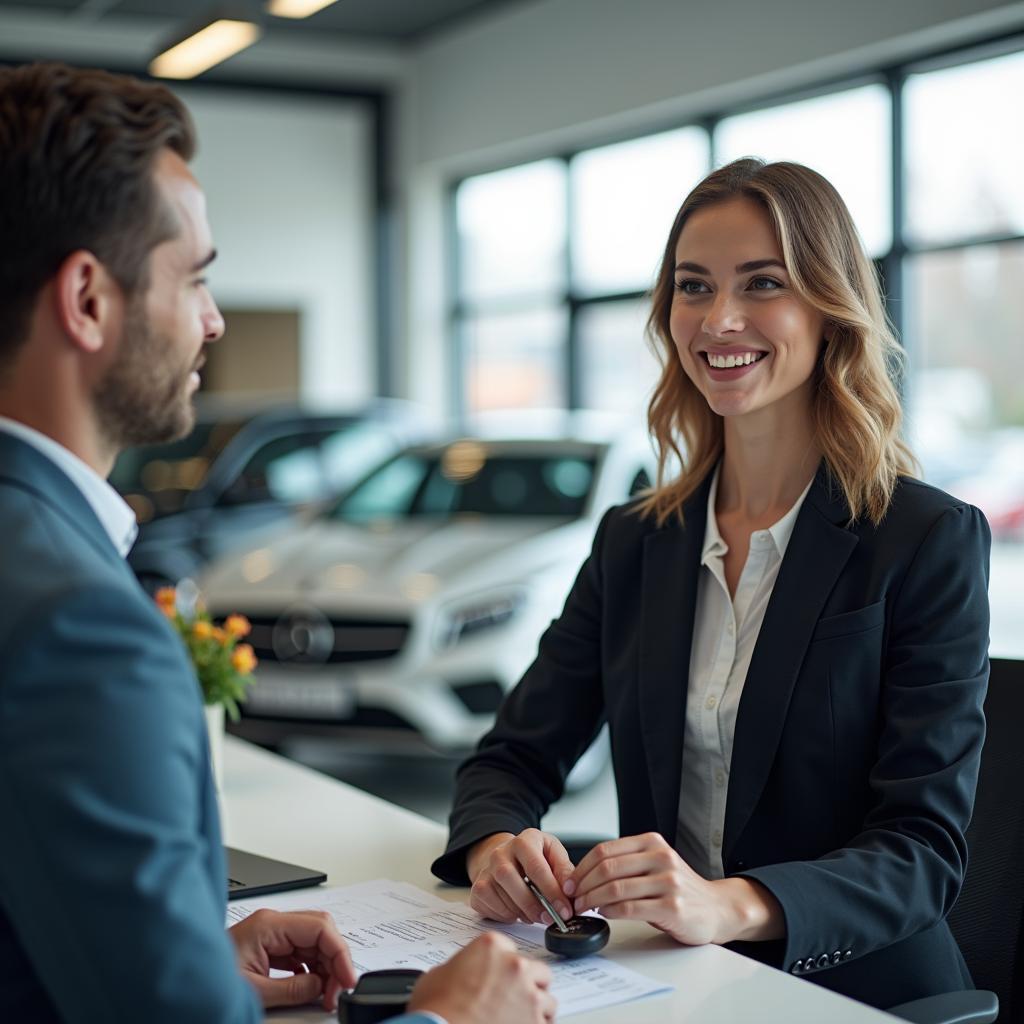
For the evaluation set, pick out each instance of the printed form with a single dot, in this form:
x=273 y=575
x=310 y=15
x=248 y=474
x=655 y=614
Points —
x=394 y=924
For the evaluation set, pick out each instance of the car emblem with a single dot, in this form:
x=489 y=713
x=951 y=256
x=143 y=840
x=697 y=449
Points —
x=303 y=635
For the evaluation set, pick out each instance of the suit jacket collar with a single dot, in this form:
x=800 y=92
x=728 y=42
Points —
x=672 y=557
x=817 y=552
x=25 y=467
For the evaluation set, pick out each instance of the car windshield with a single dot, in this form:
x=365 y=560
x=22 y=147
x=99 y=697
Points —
x=156 y=479
x=467 y=479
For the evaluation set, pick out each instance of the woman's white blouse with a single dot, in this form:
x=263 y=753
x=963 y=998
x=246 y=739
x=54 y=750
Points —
x=724 y=634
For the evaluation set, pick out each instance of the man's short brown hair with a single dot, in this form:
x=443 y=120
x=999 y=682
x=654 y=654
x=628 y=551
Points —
x=77 y=149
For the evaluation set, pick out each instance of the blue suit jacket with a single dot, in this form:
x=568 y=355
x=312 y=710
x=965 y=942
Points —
x=112 y=891
x=112 y=882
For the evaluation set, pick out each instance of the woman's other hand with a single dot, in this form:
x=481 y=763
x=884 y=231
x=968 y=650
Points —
x=641 y=878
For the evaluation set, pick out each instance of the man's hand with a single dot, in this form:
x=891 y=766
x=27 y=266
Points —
x=497 y=865
x=306 y=943
x=488 y=982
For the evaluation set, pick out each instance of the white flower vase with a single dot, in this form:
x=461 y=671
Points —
x=215 y=727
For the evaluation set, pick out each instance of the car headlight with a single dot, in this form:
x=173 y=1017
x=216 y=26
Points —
x=472 y=617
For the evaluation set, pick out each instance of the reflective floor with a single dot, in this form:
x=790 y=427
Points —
x=424 y=784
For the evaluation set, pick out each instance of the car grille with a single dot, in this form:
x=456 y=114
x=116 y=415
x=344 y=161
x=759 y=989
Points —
x=338 y=641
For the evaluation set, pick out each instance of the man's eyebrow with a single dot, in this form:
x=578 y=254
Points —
x=204 y=262
x=742 y=268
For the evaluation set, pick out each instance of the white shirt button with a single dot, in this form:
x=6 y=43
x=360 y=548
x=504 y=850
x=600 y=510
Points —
x=716 y=837
x=719 y=778
x=711 y=703
x=730 y=629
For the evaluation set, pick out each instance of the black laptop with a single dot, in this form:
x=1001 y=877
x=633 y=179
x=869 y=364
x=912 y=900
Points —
x=252 y=875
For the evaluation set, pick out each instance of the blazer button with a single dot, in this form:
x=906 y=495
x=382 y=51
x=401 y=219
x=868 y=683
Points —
x=797 y=967
x=741 y=865
x=848 y=954
x=836 y=957
x=823 y=961
x=809 y=964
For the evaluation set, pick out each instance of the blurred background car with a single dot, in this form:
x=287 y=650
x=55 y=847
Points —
x=242 y=471
x=996 y=484
x=403 y=614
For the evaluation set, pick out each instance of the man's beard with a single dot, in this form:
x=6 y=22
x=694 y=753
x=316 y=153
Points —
x=143 y=398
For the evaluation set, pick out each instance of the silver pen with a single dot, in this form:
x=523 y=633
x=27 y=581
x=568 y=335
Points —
x=555 y=916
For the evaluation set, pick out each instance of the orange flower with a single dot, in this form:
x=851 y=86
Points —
x=202 y=630
x=220 y=635
x=166 y=599
x=238 y=626
x=243 y=660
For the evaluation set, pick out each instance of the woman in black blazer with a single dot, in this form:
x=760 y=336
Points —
x=787 y=637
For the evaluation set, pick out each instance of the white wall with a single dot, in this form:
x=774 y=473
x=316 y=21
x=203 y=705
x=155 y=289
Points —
x=556 y=74
x=287 y=176
x=289 y=191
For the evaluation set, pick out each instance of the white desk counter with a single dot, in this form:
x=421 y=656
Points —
x=280 y=809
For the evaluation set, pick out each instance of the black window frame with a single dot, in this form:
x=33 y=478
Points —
x=890 y=264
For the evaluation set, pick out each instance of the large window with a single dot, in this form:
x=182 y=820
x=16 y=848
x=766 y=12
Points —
x=842 y=135
x=556 y=259
x=553 y=260
x=964 y=308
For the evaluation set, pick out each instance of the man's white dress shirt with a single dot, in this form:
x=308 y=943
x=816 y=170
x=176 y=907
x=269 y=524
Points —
x=113 y=512
x=725 y=631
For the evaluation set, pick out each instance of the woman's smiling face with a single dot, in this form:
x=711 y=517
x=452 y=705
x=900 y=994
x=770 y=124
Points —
x=744 y=337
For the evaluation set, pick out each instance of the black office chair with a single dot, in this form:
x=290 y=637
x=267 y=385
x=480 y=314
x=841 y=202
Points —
x=988 y=919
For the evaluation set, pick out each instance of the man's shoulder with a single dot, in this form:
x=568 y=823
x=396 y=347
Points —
x=54 y=575
x=43 y=549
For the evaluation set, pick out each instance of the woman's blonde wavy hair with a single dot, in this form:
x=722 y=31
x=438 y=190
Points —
x=856 y=407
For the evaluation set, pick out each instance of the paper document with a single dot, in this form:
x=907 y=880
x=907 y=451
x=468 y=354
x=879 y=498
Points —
x=394 y=924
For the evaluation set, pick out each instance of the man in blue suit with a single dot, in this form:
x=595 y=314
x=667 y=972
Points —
x=112 y=879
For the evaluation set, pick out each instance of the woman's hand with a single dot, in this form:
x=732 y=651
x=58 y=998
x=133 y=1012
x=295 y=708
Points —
x=641 y=878
x=307 y=943
x=496 y=867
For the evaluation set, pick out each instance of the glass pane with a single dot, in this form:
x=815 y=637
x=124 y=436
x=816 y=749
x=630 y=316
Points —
x=511 y=232
x=385 y=494
x=555 y=483
x=515 y=360
x=624 y=200
x=156 y=479
x=845 y=136
x=966 y=406
x=618 y=371
x=965 y=150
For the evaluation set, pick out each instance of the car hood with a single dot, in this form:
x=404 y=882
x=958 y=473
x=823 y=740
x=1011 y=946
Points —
x=404 y=560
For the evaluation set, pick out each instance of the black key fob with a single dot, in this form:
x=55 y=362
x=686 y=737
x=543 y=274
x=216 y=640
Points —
x=378 y=995
x=586 y=935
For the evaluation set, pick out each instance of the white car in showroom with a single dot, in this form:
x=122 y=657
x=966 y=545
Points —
x=404 y=612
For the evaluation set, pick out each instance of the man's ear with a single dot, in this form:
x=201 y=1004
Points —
x=89 y=303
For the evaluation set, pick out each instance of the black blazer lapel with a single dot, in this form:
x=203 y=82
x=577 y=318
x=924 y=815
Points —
x=669 y=602
x=818 y=550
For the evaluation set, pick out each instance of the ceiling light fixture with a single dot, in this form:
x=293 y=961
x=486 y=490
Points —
x=204 y=47
x=296 y=8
